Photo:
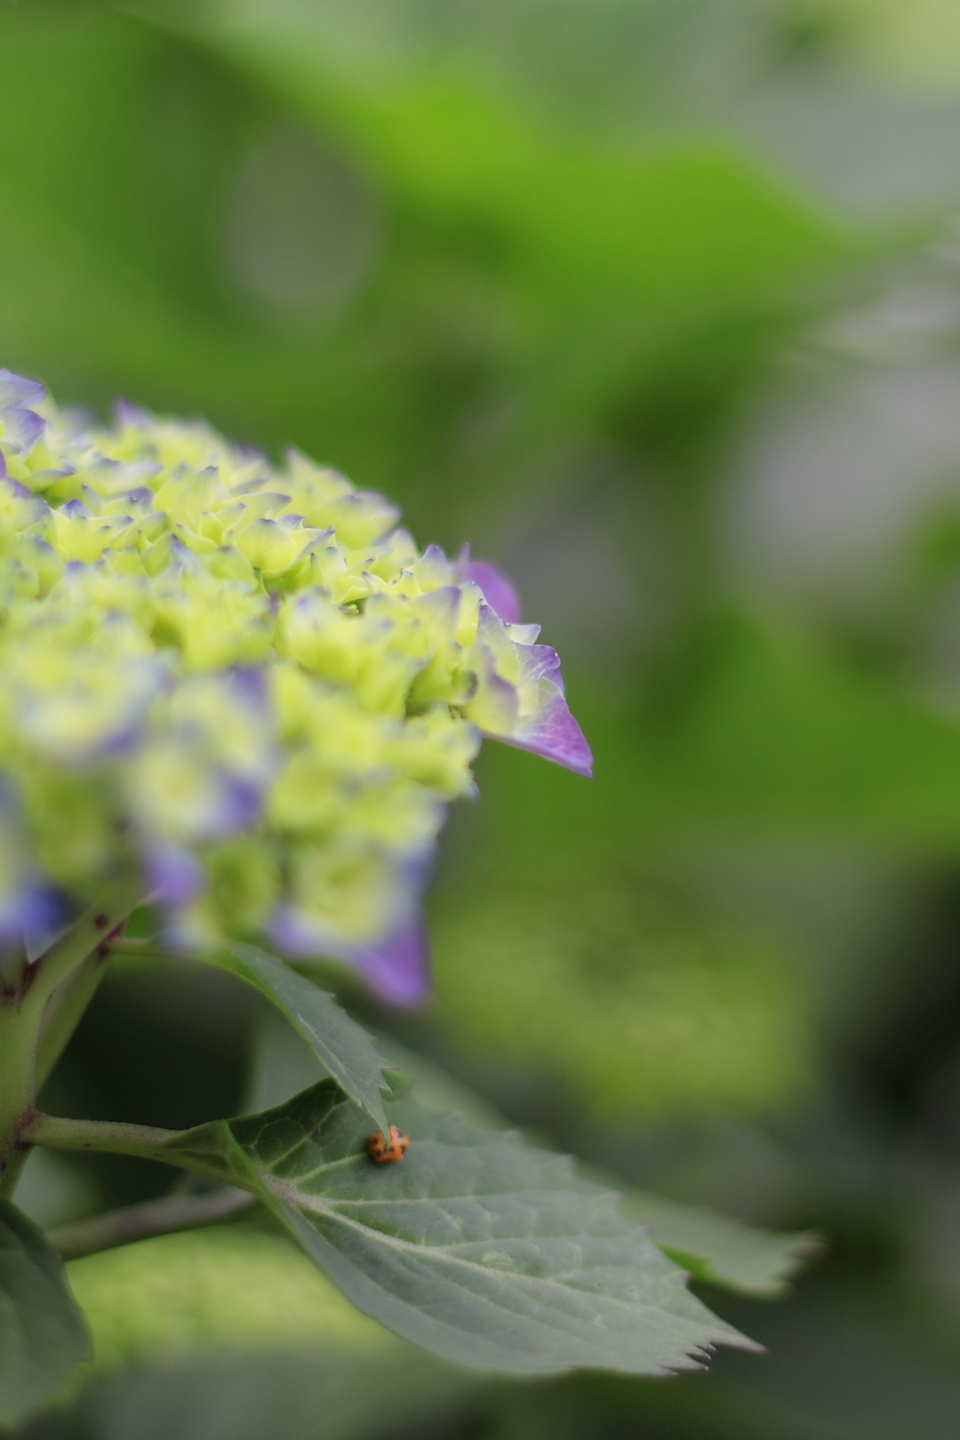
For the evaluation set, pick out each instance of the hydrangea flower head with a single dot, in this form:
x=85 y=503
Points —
x=245 y=683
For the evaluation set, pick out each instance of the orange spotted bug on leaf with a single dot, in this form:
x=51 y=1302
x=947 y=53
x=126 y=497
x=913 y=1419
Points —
x=381 y=1152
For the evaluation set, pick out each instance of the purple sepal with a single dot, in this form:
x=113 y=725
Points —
x=14 y=389
x=249 y=685
x=551 y=731
x=17 y=491
x=497 y=590
x=140 y=495
x=174 y=876
x=21 y=428
x=51 y=917
x=398 y=968
x=33 y=910
x=239 y=805
x=127 y=414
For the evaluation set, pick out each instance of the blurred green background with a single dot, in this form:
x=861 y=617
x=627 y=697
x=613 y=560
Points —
x=658 y=303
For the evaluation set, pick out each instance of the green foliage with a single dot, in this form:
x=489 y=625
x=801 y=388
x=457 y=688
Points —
x=43 y=1338
x=344 y=1048
x=709 y=1245
x=630 y=993
x=249 y=1337
x=783 y=732
x=479 y=1248
x=232 y=1286
x=512 y=264
x=719 y=1250
x=579 y=271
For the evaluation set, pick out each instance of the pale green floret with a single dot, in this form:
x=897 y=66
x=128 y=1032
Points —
x=248 y=668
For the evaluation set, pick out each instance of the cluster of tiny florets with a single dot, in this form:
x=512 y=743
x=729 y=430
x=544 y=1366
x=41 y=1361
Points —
x=243 y=682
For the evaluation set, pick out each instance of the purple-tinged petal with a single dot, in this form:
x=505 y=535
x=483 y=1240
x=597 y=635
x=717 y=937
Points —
x=16 y=491
x=32 y=910
x=433 y=569
x=128 y=414
x=51 y=917
x=14 y=389
x=555 y=735
x=50 y=475
x=139 y=495
x=494 y=706
x=303 y=936
x=239 y=805
x=497 y=589
x=21 y=428
x=174 y=876
x=249 y=685
x=398 y=968
x=550 y=730
x=395 y=964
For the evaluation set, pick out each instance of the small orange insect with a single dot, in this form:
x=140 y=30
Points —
x=381 y=1152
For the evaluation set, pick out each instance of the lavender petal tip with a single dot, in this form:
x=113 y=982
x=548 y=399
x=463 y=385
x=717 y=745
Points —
x=497 y=590
x=398 y=968
x=175 y=877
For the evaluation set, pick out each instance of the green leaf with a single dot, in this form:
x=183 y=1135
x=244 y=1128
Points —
x=712 y=1247
x=344 y=1048
x=720 y=1250
x=478 y=1247
x=230 y=1285
x=43 y=1337
x=232 y=1333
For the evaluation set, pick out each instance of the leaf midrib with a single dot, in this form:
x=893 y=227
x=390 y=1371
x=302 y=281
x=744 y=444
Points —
x=407 y=1247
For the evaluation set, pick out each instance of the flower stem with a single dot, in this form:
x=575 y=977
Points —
x=18 y=1047
x=66 y=1007
x=85 y=937
x=114 y=1137
x=30 y=1001
x=140 y=1222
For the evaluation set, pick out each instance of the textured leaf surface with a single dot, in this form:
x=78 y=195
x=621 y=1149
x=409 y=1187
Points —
x=342 y=1046
x=42 y=1333
x=720 y=1250
x=710 y=1246
x=478 y=1247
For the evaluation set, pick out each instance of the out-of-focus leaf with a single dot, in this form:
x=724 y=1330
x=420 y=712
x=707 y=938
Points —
x=720 y=1250
x=297 y=1393
x=343 y=1047
x=594 y=260
x=637 y=997
x=772 y=729
x=232 y=1334
x=776 y=731
x=233 y=1285
x=668 y=226
x=569 y=285
x=54 y=1192
x=478 y=1247
x=42 y=1334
